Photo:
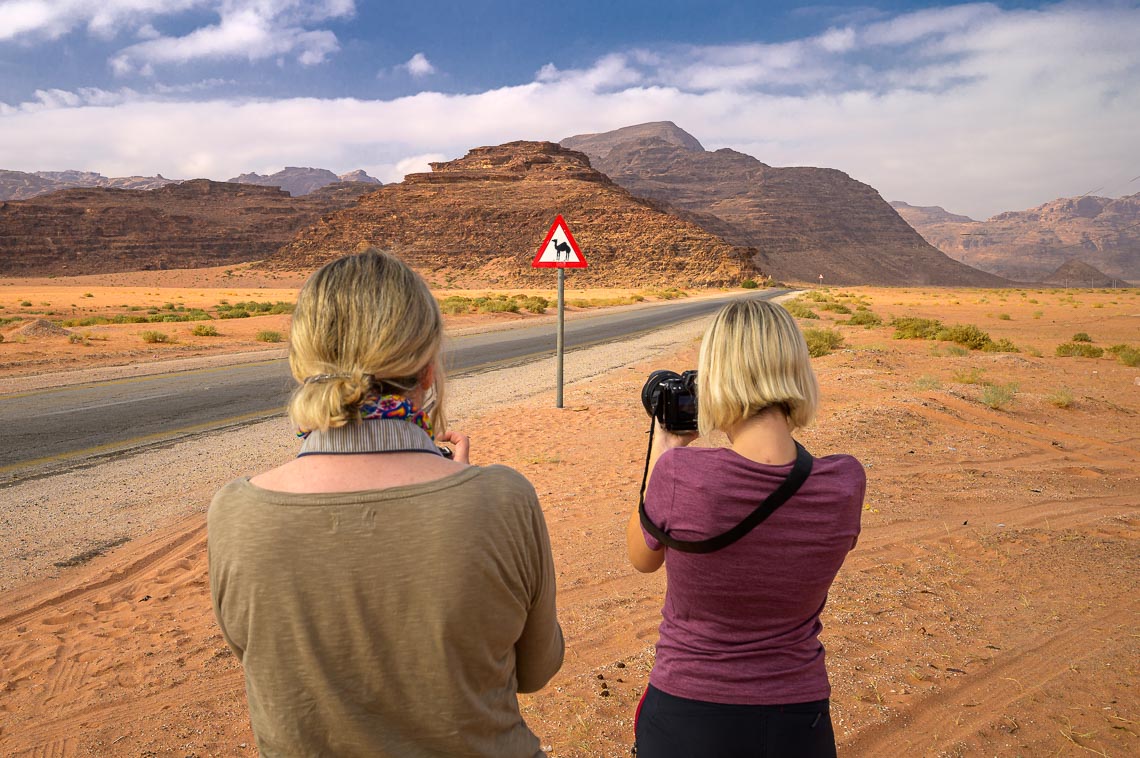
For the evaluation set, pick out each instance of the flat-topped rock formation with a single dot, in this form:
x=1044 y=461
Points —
x=193 y=224
x=1030 y=245
x=481 y=218
x=803 y=222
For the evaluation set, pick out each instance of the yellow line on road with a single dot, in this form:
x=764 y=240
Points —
x=136 y=441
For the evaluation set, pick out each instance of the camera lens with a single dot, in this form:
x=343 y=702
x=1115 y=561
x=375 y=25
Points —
x=652 y=389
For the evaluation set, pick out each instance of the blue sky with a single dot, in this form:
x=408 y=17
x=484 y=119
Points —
x=978 y=107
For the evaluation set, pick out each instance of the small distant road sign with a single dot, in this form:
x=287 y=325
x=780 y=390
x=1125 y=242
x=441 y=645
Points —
x=559 y=250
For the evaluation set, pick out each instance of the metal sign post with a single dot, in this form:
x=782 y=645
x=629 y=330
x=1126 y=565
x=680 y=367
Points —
x=560 y=251
x=561 y=333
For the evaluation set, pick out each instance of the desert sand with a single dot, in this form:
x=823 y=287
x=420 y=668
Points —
x=990 y=607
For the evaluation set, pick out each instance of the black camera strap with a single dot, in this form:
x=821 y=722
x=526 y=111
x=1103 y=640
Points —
x=796 y=477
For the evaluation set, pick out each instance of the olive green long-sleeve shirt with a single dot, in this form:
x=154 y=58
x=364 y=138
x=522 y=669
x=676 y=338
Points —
x=397 y=622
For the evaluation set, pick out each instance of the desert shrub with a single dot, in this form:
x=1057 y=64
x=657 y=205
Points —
x=835 y=307
x=1 y=337
x=269 y=337
x=535 y=304
x=1004 y=317
x=800 y=309
x=670 y=293
x=998 y=396
x=1000 y=346
x=1079 y=350
x=966 y=335
x=820 y=342
x=1129 y=356
x=88 y=294
x=75 y=339
x=496 y=304
x=455 y=304
x=972 y=375
x=749 y=284
x=927 y=382
x=168 y=306
x=912 y=328
x=1061 y=398
x=865 y=318
x=25 y=303
x=955 y=351
x=153 y=337
x=817 y=296
x=204 y=330
x=234 y=313
x=1082 y=337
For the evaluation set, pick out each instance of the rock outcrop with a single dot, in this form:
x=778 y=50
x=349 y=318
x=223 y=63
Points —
x=1080 y=274
x=301 y=181
x=480 y=219
x=1030 y=245
x=803 y=222
x=188 y=225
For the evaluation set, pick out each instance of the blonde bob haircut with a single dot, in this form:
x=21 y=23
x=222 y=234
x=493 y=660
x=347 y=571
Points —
x=361 y=322
x=753 y=357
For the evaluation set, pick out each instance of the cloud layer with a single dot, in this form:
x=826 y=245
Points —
x=971 y=107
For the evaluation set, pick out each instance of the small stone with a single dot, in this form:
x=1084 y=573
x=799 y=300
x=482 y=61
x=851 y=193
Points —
x=620 y=664
x=601 y=676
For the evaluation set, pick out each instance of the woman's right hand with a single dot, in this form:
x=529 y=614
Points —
x=461 y=444
x=663 y=439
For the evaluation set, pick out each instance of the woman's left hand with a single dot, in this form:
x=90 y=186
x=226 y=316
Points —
x=460 y=442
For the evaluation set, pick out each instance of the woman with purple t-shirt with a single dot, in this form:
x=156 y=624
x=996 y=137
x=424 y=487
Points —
x=739 y=668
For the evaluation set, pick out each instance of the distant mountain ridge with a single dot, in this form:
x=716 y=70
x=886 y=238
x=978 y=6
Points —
x=299 y=181
x=1031 y=244
x=21 y=185
x=803 y=222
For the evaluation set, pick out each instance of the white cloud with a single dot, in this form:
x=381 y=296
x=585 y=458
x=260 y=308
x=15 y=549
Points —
x=418 y=66
x=245 y=29
x=975 y=109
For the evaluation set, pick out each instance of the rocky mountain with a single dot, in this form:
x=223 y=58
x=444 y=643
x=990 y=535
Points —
x=803 y=222
x=301 y=181
x=18 y=185
x=925 y=215
x=187 y=225
x=481 y=219
x=1078 y=274
x=1030 y=245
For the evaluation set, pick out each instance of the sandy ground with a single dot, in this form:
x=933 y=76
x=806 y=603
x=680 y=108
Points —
x=989 y=609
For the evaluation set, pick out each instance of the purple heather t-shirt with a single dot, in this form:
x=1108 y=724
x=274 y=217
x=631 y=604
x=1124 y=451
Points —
x=741 y=625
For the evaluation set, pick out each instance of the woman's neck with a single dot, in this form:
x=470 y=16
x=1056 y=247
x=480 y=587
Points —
x=764 y=438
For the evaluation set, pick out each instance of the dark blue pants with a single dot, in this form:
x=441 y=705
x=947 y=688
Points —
x=675 y=727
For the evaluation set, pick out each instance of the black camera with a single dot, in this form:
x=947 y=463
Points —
x=671 y=398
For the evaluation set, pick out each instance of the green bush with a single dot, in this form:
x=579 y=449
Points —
x=912 y=328
x=535 y=304
x=835 y=307
x=1000 y=346
x=1005 y=317
x=998 y=396
x=966 y=335
x=1082 y=337
x=204 y=330
x=26 y=303
x=269 y=337
x=235 y=313
x=1129 y=356
x=749 y=284
x=1079 y=350
x=153 y=337
x=864 y=318
x=1061 y=398
x=75 y=339
x=800 y=309
x=454 y=305
x=496 y=304
x=820 y=342
x=971 y=375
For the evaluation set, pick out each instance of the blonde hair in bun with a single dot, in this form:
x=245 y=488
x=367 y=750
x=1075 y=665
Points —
x=362 y=320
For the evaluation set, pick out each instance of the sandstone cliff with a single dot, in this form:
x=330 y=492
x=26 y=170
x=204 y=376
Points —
x=188 y=225
x=480 y=220
x=802 y=221
x=1078 y=274
x=1030 y=245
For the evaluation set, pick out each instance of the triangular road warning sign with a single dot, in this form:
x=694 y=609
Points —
x=559 y=250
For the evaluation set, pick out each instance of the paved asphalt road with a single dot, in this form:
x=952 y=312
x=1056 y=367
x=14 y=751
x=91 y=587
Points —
x=66 y=425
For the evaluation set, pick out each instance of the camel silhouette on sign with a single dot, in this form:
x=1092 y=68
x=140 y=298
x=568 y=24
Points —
x=560 y=249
